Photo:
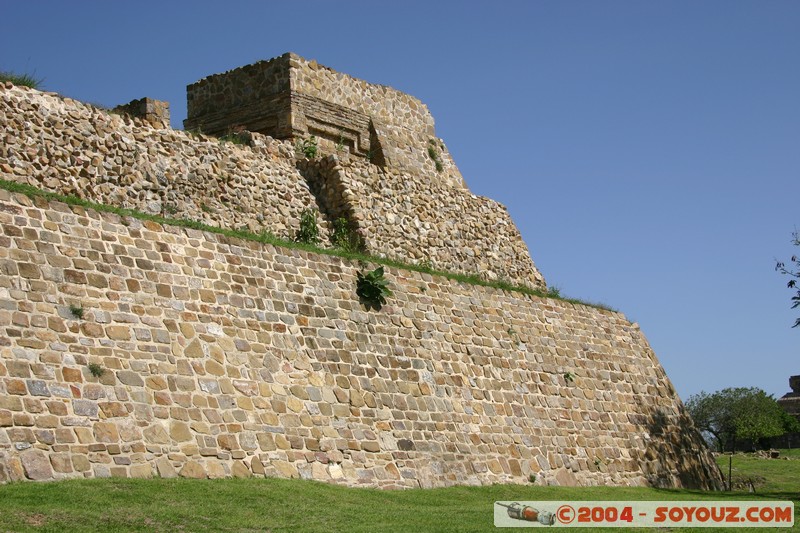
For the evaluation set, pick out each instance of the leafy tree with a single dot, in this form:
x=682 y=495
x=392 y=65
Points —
x=738 y=414
x=792 y=272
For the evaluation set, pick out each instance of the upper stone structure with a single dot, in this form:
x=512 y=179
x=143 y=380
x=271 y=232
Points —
x=289 y=97
x=412 y=202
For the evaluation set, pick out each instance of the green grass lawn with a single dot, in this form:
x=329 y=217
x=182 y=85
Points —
x=296 y=505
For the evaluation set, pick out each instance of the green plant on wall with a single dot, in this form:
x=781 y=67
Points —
x=309 y=231
x=26 y=80
x=372 y=289
x=345 y=238
x=308 y=147
x=96 y=370
x=569 y=377
x=76 y=310
x=433 y=153
x=553 y=292
x=340 y=144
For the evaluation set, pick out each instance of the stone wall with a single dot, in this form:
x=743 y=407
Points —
x=65 y=146
x=68 y=147
x=222 y=357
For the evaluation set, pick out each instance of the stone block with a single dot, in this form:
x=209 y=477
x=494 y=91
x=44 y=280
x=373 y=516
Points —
x=72 y=374
x=37 y=465
x=142 y=471
x=81 y=463
x=193 y=470
x=194 y=349
x=130 y=378
x=179 y=431
x=86 y=408
x=156 y=383
x=215 y=470
x=285 y=469
x=62 y=463
x=119 y=333
x=113 y=409
x=227 y=442
x=165 y=468
x=106 y=432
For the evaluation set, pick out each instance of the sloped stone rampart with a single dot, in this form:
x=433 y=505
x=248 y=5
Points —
x=224 y=357
x=424 y=222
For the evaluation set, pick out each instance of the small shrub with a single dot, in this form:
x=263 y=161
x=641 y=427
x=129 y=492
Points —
x=372 y=289
x=96 y=370
x=569 y=377
x=309 y=231
x=26 y=80
x=532 y=478
x=345 y=238
x=76 y=310
x=553 y=292
x=308 y=148
x=433 y=153
x=266 y=235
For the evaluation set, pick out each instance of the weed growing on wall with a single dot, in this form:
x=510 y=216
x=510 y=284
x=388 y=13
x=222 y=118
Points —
x=26 y=80
x=340 y=144
x=435 y=155
x=554 y=292
x=309 y=231
x=77 y=311
x=372 y=289
x=345 y=238
x=96 y=370
x=307 y=148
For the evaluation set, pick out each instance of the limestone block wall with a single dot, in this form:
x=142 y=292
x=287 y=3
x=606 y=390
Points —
x=68 y=147
x=223 y=357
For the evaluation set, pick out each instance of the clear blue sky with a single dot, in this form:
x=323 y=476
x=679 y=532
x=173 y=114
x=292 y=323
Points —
x=648 y=151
